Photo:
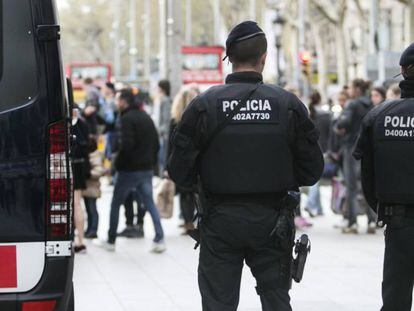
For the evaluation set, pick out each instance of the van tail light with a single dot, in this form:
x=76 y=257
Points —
x=47 y=305
x=59 y=210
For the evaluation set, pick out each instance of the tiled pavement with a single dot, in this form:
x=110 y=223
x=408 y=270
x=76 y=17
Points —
x=343 y=272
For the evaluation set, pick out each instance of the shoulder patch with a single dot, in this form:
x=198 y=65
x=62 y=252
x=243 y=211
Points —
x=263 y=110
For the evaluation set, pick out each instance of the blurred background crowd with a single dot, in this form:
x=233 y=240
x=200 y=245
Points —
x=97 y=126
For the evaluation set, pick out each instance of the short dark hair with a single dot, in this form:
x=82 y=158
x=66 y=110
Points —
x=88 y=81
x=361 y=84
x=380 y=90
x=127 y=95
x=110 y=86
x=248 y=51
x=165 y=86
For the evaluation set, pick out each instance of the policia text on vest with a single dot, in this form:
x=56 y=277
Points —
x=255 y=110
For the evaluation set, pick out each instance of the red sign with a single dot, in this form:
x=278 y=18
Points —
x=202 y=64
x=8 y=268
x=100 y=73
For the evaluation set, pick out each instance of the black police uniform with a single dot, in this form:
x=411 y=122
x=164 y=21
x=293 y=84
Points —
x=386 y=150
x=268 y=148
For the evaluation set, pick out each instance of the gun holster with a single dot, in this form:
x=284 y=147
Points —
x=284 y=230
x=302 y=249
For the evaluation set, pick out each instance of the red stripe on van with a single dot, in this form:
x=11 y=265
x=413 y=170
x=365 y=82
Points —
x=8 y=269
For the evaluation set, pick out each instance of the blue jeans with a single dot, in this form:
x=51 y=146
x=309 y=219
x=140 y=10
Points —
x=314 y=199
x=162 y=155
x=93 y=216
x=126 y=182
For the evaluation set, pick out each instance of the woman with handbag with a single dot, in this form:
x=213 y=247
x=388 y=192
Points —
x=187 y=198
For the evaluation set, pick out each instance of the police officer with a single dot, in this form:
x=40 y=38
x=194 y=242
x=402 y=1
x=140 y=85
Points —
x=248 y=143
x=386 y=150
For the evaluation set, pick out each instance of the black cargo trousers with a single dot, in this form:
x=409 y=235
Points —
x=397 y=285
x=238 y=231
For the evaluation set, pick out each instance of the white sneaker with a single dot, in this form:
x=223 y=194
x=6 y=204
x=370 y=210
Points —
x=110 y=247
x=158 y=247
x=353 y=229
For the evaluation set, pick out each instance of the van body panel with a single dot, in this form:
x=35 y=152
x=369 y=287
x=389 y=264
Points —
x=23 y=123
x=29 y=262
x=32 y=97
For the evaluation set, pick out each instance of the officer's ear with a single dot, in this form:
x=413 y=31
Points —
x=263 y=59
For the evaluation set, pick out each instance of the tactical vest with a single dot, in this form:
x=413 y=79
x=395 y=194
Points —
x=252 y=153
x=394 y=153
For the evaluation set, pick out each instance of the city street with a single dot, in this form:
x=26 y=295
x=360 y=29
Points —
x=343 y=272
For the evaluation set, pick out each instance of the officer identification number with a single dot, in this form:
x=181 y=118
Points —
x=398 y=126
x=262 y=110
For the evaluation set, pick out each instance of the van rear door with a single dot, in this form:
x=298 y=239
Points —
x=35 y=190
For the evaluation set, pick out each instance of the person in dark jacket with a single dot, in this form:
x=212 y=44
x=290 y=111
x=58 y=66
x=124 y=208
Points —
x=348 y=126
x=385 y=148
x=267 y=147
x=322 y=120
x=187 y=198
x=81 y=171
x=134 y=163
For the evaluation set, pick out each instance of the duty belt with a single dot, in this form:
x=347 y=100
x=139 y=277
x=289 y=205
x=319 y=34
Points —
x=395 y=214
x=406 y=211
x=248 y=197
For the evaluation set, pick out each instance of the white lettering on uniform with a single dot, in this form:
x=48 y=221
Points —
x=254 y=105
x=266 y=106
x=226 y=104
x=387 y=121
x=395 y=122
x=234 y=103
x=399 y=121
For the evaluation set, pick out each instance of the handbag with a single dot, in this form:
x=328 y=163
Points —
x=164 y=198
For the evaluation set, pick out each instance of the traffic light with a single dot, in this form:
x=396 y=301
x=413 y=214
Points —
x=305 y=58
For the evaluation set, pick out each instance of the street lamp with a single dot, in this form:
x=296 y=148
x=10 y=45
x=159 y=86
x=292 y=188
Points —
x=278 y=24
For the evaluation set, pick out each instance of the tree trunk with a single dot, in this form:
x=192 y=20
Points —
x=409 y=24
x=342 y=57
x=322 y=61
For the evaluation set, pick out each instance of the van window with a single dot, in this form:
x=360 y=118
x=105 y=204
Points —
x=18 y=69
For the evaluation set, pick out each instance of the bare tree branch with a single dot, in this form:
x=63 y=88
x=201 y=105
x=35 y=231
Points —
x=342 y=11
x=406 y=2
x=323 y=12
x=361 y=13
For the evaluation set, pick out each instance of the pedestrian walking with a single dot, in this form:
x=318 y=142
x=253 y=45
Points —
x=163 y=117
x=187 y=197
x=322 y=120
x=81 y=171
x=133 y=230
x=378 y=95
x=108 y=113
x=92 y=193
x=134 y=163
x=394 y=91
x=347 y=126
x=386 y=150
x=248 y=143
